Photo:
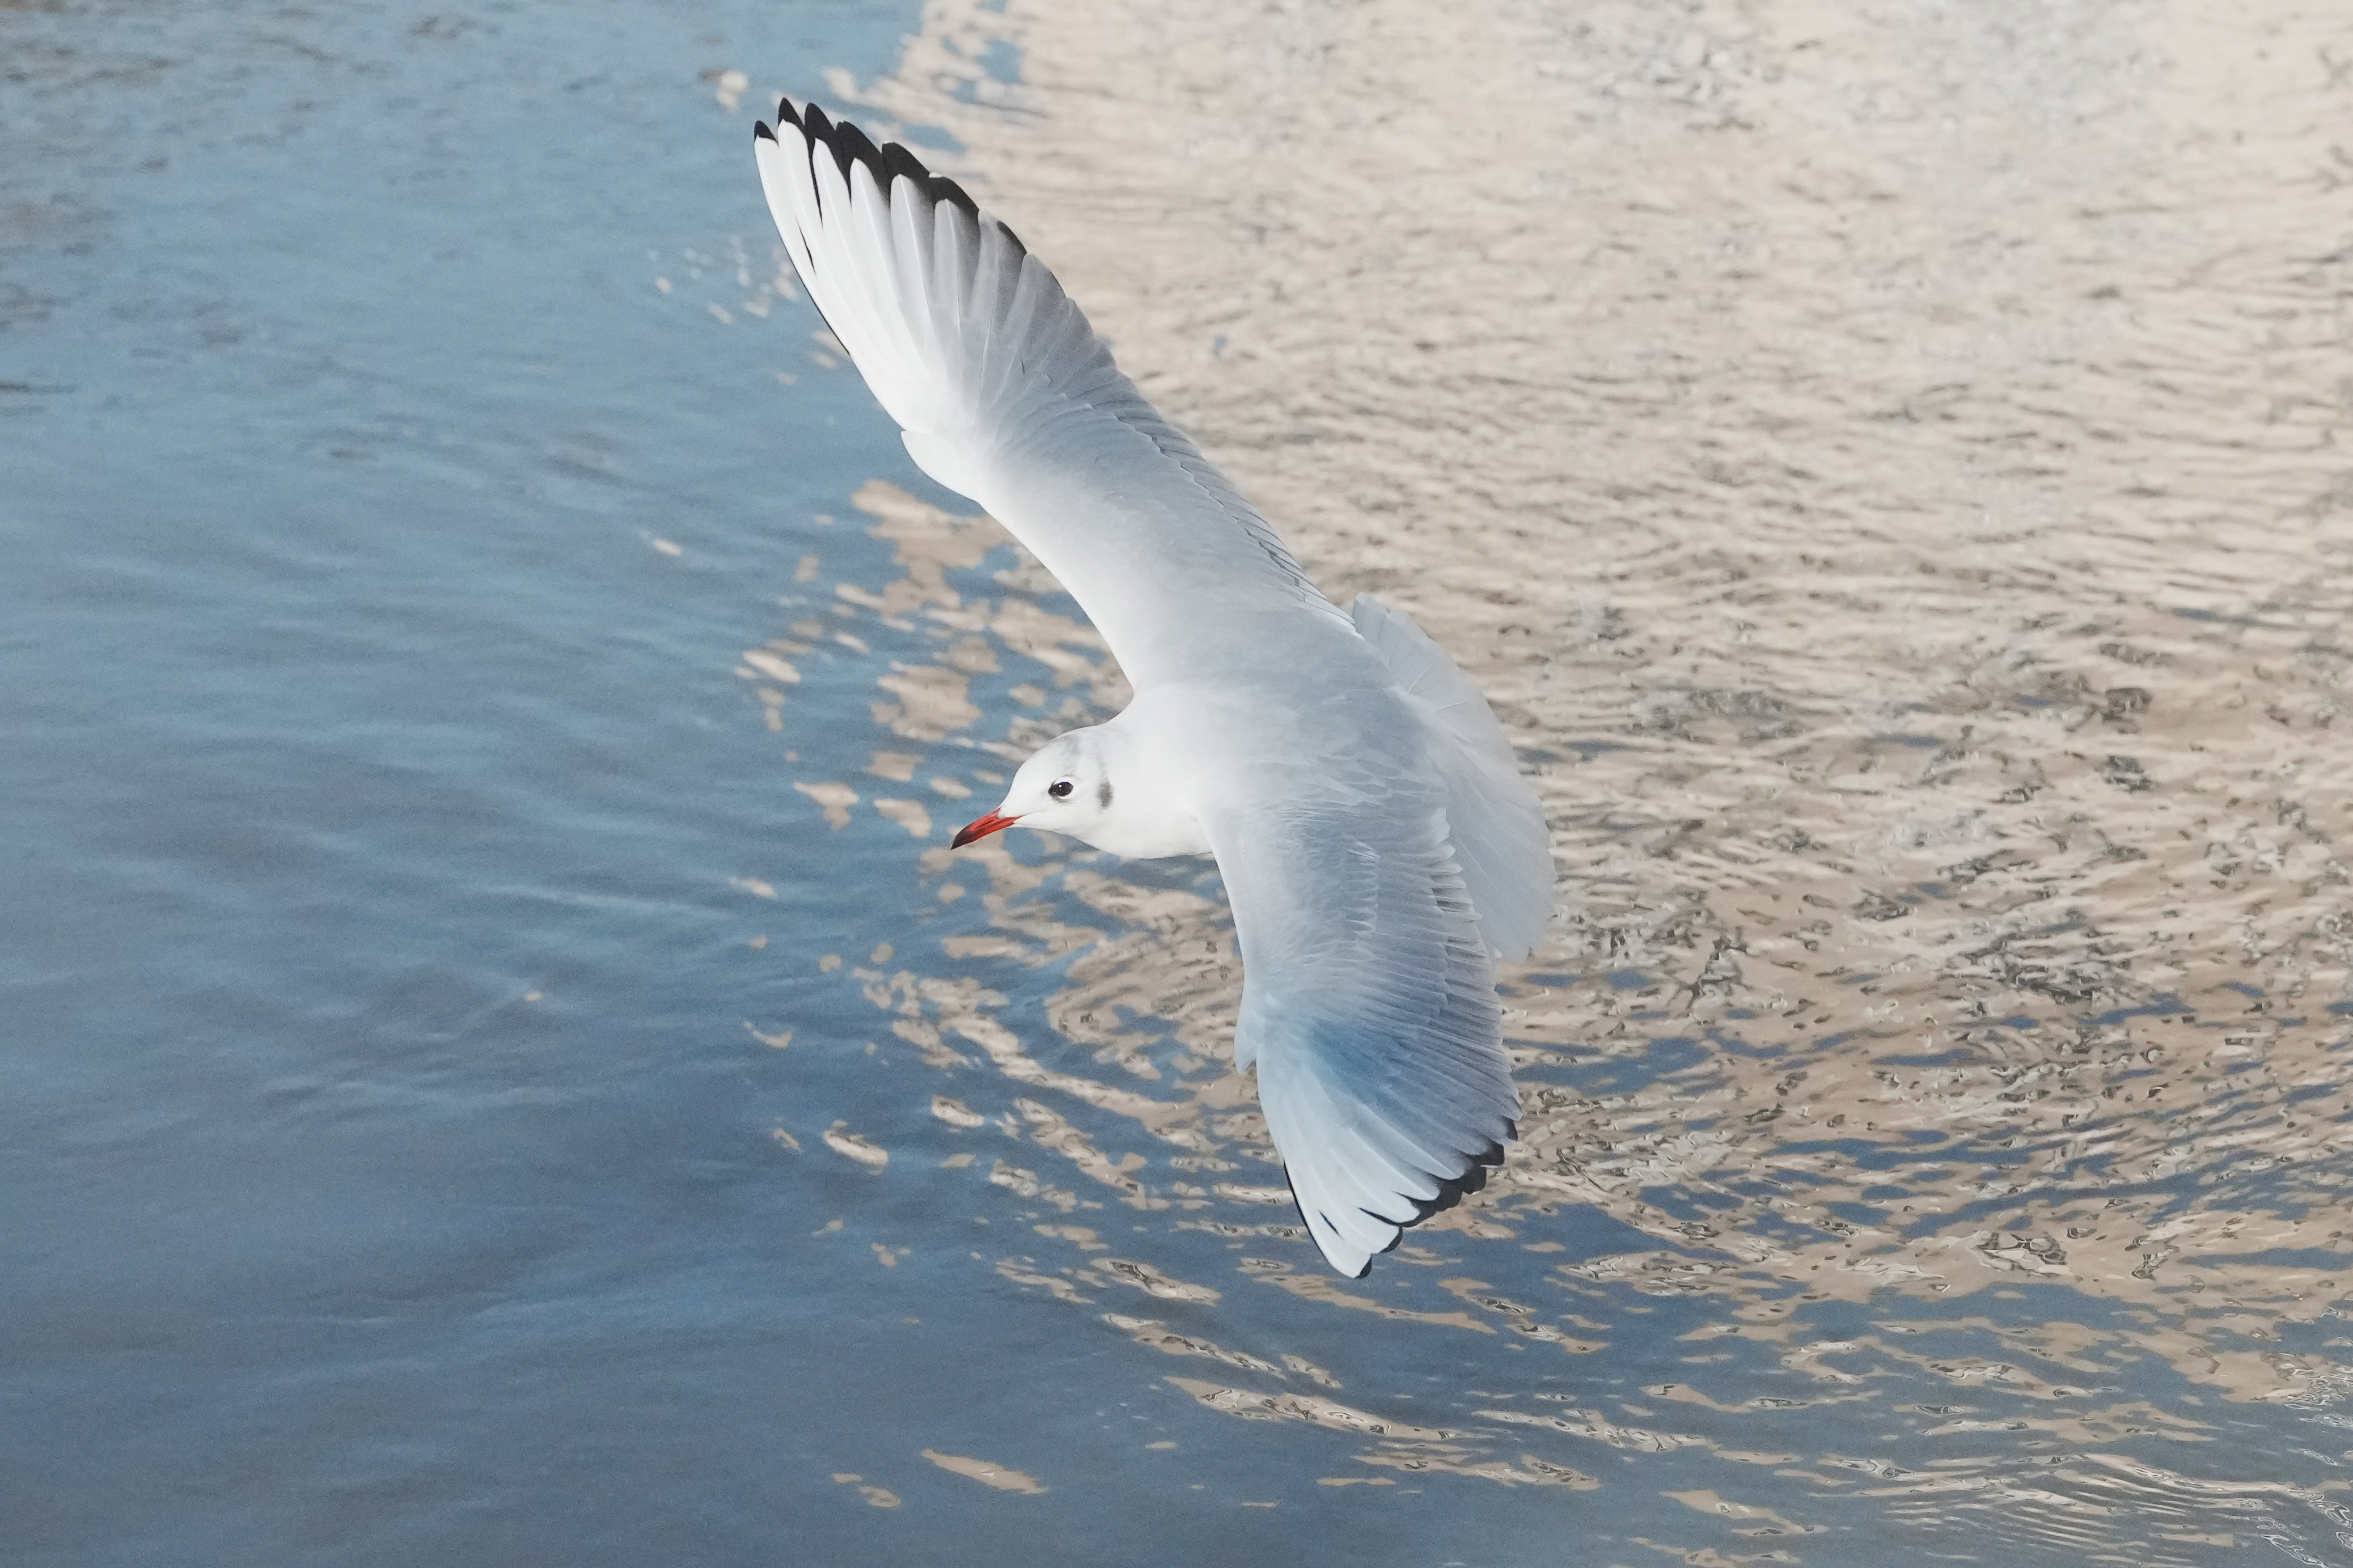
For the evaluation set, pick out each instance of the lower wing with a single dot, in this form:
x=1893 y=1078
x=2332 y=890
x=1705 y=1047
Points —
x=1369 y=1007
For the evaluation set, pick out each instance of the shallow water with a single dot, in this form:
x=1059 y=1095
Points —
x=502 y=1065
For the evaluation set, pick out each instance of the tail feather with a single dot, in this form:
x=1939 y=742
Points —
x=1494 y=823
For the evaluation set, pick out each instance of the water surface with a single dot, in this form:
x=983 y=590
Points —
x=502 y=1066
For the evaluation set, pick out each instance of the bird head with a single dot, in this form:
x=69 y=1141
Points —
x=1064 y=787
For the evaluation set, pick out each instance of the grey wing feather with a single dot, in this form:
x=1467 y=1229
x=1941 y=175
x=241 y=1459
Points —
x=1495 y=821
x=1369 y=1010
x=1005 y=395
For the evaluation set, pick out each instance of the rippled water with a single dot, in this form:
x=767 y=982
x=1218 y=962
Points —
x=502 y=1066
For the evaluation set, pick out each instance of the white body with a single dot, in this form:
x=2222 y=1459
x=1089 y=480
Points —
x=1377 y=840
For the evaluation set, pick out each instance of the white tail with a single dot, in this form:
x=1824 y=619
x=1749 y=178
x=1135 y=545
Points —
x=1494 y=820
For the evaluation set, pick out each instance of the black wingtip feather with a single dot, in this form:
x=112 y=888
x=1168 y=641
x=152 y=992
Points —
x=1451 y=1191
x=849 y=145
x=852 y=146
x=1296 y=1206
x=897 y=162
x=1454 y=1189
x=943 y=189
x=760 y=131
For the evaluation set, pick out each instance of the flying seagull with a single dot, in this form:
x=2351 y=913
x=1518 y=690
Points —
x=1376 y=839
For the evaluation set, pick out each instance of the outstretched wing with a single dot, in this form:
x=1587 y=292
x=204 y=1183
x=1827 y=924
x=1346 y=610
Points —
x=1008 y=396
x=1368 y=1006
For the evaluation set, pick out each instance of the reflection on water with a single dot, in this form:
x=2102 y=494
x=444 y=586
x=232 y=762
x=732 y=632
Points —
x=492 y=1085
x=1890 y=474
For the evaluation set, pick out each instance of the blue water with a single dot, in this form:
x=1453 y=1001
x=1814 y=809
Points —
x=393 y=1166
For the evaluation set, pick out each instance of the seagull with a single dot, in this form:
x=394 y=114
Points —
x=1377 y=843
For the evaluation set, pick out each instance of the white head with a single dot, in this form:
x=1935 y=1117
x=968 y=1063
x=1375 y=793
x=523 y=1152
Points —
x=1064 y=787
x=1091 y=784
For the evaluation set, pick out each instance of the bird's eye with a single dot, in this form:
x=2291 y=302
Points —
x=1061 y=788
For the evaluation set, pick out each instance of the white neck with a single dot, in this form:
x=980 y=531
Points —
x=1149 y=816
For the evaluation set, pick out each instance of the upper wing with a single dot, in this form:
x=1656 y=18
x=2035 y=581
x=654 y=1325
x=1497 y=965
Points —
x=1494 y=820
x=1008 y=396
x=1368 y=1005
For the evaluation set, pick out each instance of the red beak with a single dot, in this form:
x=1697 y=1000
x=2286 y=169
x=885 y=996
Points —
x=987 y=825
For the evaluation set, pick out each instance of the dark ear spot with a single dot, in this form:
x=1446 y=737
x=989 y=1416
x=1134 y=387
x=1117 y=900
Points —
x=1102 y=794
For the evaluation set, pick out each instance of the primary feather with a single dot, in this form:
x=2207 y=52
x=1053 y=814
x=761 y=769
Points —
x=1005 y=395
